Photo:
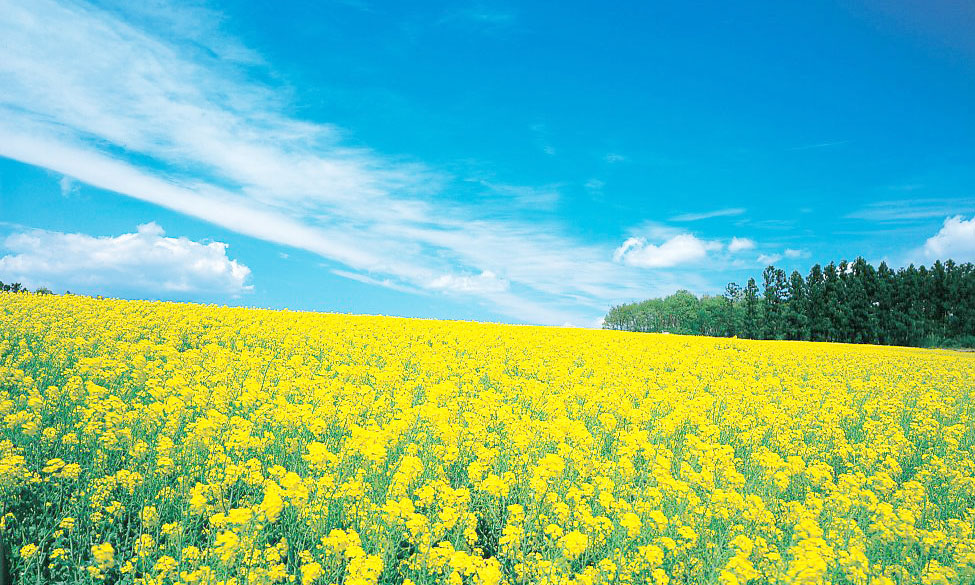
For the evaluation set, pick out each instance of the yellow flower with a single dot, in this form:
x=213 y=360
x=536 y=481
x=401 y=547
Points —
x=53 y=465
x=631 y=522
x=165 y=565
x=59 y=554
x=191 y=554
x=28 y=551
x=272 y=504
x=144 y=545
x=104 y=555
x=149 y=516
x=310 y=573
x=574 y=543
x=471 y=453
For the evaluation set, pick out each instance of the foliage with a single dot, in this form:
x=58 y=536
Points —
x=16 y=287
x=849 y=302
x=156 y=443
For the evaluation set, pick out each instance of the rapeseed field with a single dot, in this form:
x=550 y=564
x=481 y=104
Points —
x=156 y=443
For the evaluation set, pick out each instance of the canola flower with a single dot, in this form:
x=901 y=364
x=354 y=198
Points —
x=161 y=444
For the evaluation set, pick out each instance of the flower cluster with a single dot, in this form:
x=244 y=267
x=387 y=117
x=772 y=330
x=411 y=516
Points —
x=162 y=444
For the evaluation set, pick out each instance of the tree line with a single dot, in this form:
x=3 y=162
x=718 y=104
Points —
x=850 y=302
x=16 y=287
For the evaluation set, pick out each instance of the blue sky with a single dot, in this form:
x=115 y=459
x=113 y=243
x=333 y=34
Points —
x=518 y=162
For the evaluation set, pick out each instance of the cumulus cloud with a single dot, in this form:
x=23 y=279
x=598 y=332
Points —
x=680 y=249
x=739 y=244
x=955 y=240
x=146 y=261
x=484 y=282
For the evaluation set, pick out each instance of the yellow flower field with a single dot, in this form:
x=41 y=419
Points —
x=158 y=443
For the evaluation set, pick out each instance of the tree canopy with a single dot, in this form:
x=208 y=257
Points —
x=850 y=302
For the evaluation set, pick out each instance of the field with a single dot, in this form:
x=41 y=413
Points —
x=158 y=443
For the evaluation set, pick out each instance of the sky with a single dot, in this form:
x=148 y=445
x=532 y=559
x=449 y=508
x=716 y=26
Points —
x=522 y=162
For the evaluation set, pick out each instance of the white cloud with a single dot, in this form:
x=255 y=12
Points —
x=819 y=145
x=385 y=282
x=525 y=196
x=709 y=214
x=614 y=157
x=485 y=282
x=955 y=240
x=144 y=261
x=739 y=244
x=68 y=186
x=912 y=210
x=594 y=185
x=767 y=259
x=483 y=18
x=680 y=249
x=794 y=253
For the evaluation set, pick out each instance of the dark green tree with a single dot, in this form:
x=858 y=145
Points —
x=774 y=291
x=732 y=298
x=816 y=311
x=752 y=325
x=796 y=321
x=860 y=285
x=884 y=304
x=850 y=302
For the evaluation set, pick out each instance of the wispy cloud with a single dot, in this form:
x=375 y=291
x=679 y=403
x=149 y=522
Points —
x=485 y=282
x=385 y=282
x=526 y=196
x=910 y=210
x=815 y=145
x=542 y=139
x=768 y=224
x=594 y=186
x=485 y=16
x=729 y=212
x=149 y=115
x=68 y=186
x=793 y=253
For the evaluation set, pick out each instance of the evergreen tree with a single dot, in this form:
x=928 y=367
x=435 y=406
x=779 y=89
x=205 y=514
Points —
x=796 y=320
x=732 y=297
x=832 y=311
x=884 y=304
x=923 y=310
x=938 y=309
x=816 y=304
x=849 y=302
x=752 y=325
x=911 y=326
x=860 y=282
x=771 y=301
